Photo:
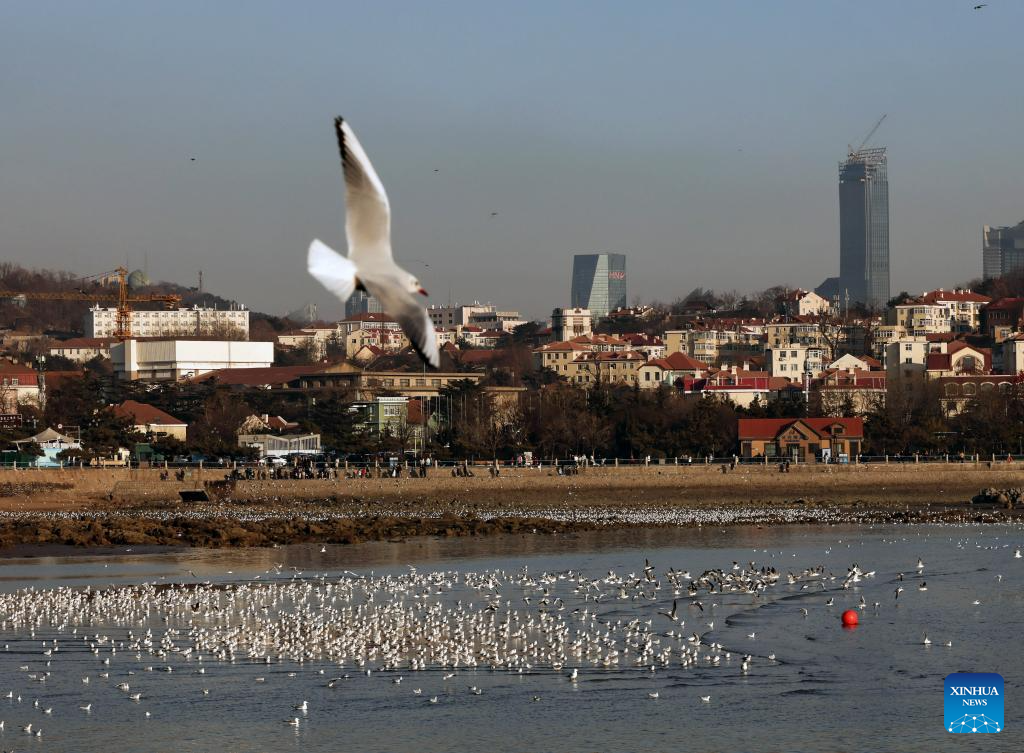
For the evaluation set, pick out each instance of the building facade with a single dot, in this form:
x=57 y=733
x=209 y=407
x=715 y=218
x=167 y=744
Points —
x=159 y=360
x=599 y=283
x=181 y=322
x=567 y=323
x=864 y=227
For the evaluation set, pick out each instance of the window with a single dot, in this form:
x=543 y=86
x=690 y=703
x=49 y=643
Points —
x=908 y=347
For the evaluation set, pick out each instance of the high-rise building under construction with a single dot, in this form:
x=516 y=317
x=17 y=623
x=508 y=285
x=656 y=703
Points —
x=864 y=227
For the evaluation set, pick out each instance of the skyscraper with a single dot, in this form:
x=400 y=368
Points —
x=361 y=302
x=1002 y=250
x=599 y=283
x=864 y=227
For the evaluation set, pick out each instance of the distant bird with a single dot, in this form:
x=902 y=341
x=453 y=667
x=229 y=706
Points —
x=920 y=564
x=191 y=159
x=494 y=214
x=979 y=7
x=923 y=586
x=705 y=699
x=654 y=695
x=927 y=641
x=369 y=265
x=1017 y=554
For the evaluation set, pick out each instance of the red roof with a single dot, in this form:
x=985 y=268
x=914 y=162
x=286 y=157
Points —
x=769 y=428
x=258 y=376
x=1007 y=304
x=141 y=414
x=679 y=362
x=934 y=296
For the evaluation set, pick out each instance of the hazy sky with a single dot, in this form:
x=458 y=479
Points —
x=699 y=138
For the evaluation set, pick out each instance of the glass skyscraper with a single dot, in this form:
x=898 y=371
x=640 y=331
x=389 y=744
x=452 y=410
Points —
x=361 y=302
x=599 y=283
x=864 y=227
x=1002 y=250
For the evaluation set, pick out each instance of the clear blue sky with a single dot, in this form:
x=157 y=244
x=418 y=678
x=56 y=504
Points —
x=700 y=138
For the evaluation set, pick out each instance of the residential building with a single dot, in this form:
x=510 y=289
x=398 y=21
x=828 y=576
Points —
x=148 y=419
x=459 y=314
x=801 y=302
x=621 y=367
x=181 y=322
x=370 y=320
x=956 y=358
x=387 y=340
x=918 y=318
x=963 y=307
x=795 y=362
x=82 y=349
x=1002 y=317
x=1002 y=250
x=740 y=387
x=906 y=357
x=800 y=439
x=669 y=369
x=849 y=391
x=650 y=345
x=567 y=323
x=155 y=360
x=599 y=283
x=957 y=392
x=19 y=385
x=882 y=336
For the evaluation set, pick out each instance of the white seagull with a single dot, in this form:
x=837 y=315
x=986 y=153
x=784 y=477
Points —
x=369 y=265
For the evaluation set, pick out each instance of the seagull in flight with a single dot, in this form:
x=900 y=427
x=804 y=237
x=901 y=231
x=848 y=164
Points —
x=369 y=265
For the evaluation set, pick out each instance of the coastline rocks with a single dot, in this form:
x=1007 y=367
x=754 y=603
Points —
x=1008 y=498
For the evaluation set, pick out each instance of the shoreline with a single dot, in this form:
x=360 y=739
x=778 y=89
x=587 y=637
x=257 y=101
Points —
x=229 y=526
x=103 y=507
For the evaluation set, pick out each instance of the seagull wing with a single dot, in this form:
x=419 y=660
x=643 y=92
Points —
x=331 y=269
x=413 y=317
x=367 y=212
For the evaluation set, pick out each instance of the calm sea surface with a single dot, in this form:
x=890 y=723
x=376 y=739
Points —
x=873 y=688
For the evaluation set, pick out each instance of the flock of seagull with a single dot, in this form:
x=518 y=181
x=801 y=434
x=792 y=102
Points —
x=409 y=627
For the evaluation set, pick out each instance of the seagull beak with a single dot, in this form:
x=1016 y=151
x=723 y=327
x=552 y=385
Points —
x=423 y=292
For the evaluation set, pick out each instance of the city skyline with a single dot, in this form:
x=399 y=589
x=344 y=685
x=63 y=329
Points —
x=660 y=142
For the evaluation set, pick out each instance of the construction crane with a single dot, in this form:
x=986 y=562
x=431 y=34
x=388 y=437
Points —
x=121 y=296
x=868 y=137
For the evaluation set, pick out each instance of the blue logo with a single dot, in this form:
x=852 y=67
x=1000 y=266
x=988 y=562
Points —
x=974 y=702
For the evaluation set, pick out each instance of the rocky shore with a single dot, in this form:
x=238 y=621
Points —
x=106 y=508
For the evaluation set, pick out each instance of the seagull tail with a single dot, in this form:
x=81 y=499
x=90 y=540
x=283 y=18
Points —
x=332 y=270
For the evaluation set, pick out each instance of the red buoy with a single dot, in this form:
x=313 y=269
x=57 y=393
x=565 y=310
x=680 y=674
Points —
x=850 y=618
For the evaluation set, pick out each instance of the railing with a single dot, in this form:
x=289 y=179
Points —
x=898 y=459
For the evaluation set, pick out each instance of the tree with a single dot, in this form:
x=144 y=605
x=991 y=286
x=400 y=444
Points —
x=214 y=433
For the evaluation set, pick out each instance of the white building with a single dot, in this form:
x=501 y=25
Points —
x=567 y=323
x=272 y=445
x=458 y=314
x=181 y=322
x=82 y=349
x=794 y=361
x=182 y=359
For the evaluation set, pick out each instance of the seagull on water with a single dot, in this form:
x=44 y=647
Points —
x=705 y=699
x=369 y=265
